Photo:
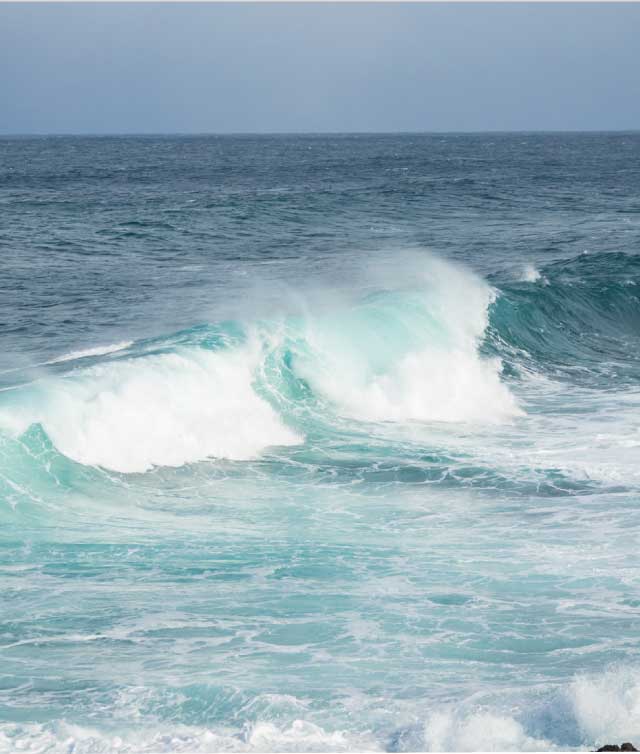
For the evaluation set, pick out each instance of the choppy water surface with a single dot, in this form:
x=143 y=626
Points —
x=319 y=443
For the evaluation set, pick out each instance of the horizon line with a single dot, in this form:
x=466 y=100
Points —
x=106 y=134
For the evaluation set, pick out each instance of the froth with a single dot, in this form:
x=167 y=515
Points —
x=480 y=731
x=607 y=707
x=588 y=712
x=299 y=735
x=164 y=410
x=418 y=359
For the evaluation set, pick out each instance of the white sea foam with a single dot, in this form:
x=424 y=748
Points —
x=62 y=738
x=443 y=379
x=607 y=707
x=164 y=410
x=590 y=711
x=595 y=710
x=433 y=385
x=479 y=731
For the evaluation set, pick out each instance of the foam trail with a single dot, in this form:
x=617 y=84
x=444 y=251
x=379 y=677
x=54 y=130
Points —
x=75 y=355
x=96 y=351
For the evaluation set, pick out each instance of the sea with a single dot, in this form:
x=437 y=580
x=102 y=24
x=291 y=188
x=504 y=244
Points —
x=319 y=442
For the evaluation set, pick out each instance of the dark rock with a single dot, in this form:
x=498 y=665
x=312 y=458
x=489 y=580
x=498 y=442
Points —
x=628 y=747
x=609 y=747
x=614 y=747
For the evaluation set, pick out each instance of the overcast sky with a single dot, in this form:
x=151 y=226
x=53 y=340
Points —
x=160 y=68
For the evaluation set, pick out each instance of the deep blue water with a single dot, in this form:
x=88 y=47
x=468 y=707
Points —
x=319 y=442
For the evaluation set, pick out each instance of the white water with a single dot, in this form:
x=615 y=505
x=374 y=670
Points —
x=443 y=379
x=591 y=711
x=164 y=410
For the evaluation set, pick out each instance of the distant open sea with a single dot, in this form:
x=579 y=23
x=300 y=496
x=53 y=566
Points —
x=319 y=443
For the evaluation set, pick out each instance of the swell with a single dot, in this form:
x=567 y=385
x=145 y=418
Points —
x=576 y=319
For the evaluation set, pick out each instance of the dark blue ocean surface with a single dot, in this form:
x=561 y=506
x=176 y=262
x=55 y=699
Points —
x=319 y=442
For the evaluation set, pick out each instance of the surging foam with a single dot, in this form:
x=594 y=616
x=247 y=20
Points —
x=607 y=707
x=433 y=385
x=164 y=410
x=594 y=710
x=413 y=356
x=480 y=731
x=63 y=737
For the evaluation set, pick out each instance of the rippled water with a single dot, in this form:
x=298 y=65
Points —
x=319 y=443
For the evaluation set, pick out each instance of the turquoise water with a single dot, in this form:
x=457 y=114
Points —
x=319 y=443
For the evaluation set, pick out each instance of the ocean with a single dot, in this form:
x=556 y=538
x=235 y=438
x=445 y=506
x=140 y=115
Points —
x=319 y=443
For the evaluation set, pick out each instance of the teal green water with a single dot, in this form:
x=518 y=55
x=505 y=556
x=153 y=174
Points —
x=319 y=443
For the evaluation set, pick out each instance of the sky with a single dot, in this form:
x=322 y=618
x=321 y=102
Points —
x=325 y=67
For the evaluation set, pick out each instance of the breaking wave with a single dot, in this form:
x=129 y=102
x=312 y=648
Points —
x=440 y=350
x=234 y=390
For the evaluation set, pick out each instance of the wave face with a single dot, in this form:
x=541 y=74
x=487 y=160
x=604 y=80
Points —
x=275 y=477
x=581 y=316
